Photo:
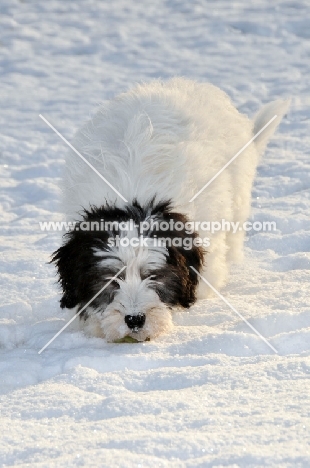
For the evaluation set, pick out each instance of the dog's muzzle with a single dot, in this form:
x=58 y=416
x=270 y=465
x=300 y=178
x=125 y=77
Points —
x=135 y=322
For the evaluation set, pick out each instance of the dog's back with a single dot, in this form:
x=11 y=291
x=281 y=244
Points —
x=160 y=139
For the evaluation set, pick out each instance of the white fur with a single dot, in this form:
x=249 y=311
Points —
x=167 y=140
x=134 y=296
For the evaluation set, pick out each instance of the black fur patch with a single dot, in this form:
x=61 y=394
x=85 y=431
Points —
x=81 y=277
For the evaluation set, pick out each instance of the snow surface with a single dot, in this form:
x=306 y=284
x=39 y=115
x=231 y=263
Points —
x=211 y=393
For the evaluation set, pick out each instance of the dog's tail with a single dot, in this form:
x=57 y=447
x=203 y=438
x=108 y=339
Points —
x=268 y=112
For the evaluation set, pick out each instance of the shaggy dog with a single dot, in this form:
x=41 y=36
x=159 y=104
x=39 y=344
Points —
x=157 y=145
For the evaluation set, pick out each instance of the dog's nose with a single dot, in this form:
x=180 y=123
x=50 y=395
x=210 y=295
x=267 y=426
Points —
x=135 y=321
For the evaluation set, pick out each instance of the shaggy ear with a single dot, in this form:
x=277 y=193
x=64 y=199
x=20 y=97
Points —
x=180 y=259
x=194 y=258
x=66 y=259
x=76 y=266
x=183 y=260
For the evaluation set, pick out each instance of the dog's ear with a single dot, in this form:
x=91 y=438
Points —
x=182 y=260
x=193 y=258
x=66 y=259
x=182 y=278
x=75 y=264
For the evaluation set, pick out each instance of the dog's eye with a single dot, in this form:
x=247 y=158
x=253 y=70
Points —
x=146 y=275
x=115 y=283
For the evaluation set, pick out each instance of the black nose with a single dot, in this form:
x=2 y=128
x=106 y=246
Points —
x=135 y=321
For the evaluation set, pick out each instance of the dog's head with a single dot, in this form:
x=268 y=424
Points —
x=155 y=264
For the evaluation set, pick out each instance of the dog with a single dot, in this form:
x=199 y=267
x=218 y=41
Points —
x=156 y=146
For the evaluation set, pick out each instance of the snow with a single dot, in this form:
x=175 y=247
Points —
x=211 y=393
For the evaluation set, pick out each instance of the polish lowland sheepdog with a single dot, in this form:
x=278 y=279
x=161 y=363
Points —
x=156 y=146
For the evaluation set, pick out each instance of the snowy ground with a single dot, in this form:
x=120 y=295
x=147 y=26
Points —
x=212 y=393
